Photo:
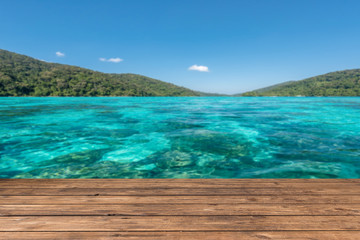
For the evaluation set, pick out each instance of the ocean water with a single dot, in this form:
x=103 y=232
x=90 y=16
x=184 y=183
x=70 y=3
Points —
x=180 y=137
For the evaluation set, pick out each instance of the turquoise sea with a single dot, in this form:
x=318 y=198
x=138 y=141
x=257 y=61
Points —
x=180 y=137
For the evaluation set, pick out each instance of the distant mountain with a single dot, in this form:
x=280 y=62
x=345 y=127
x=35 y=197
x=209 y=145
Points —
x=265 y=89
x=340 y=83
x=21 y=75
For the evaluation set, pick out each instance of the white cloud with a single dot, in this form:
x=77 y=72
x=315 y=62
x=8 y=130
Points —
x=199 y=68
x=60 y=54
x=114 y=60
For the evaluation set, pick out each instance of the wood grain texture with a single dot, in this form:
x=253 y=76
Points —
x=175 y=183
x=249 y=235
x=89 y=200
x=183 y=210
x=179 y=223
x=179 y=191
x=46 y=209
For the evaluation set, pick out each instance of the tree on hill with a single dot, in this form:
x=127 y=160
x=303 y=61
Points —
x=341 y=83
x=25 y=76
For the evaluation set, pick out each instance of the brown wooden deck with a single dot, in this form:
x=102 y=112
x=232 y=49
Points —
x=180 y=209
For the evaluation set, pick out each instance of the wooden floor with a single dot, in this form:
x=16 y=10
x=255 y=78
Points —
x=180 y=209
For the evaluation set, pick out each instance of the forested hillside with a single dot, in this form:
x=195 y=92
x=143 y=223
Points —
x=341 y=83
x=25 y=76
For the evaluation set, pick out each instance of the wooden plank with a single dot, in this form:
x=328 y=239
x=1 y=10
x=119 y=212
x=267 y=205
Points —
x=179 y=209
x=279 y=235
x=179 y=223
x=250 y=199
x=175 y=191
x=176 y=183
x=182 y=209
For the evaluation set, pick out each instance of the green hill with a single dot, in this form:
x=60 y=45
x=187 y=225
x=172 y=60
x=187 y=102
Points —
x=340 y=83
x=25 y=76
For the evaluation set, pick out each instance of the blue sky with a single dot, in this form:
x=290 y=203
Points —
x=244 y=44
